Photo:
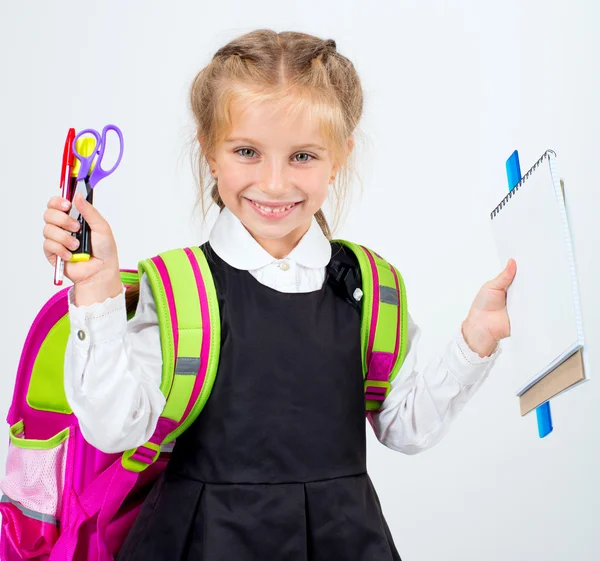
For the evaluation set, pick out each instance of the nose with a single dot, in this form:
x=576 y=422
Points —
x=273 y=176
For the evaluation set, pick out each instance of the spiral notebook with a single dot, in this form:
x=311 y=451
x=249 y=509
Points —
x=530 y=225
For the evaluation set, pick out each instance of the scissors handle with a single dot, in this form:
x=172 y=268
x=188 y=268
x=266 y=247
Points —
x=99 y=172
x=86 y=161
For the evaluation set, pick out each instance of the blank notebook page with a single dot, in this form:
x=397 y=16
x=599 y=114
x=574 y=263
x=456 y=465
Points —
x=530 y=225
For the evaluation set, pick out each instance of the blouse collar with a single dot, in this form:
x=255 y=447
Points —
x=236 y=246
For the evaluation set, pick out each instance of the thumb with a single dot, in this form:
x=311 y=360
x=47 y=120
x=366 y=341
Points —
x=506 y=277
x=89 y=212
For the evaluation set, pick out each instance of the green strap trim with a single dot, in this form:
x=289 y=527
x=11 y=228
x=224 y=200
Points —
x=187 y=302
x=215 y=343
x=164 y=323
x=130 y=278
x=17 y=440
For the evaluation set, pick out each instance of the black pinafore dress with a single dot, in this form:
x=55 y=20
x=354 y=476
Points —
x=274 y=468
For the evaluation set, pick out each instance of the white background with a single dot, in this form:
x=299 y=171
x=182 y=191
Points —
x=451 y=89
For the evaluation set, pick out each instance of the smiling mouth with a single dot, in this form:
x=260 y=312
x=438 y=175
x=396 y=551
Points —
x=274 y=207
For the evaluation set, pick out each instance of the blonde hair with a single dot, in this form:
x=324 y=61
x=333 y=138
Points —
x=289 y=67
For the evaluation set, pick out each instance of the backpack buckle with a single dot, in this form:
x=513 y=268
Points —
x=375 y=393
x=138 y=459
x=376 y=390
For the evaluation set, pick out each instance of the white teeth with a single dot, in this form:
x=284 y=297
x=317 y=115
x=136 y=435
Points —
x=271 y=209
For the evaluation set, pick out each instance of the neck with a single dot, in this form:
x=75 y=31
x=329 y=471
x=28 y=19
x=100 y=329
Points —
x=281 y=247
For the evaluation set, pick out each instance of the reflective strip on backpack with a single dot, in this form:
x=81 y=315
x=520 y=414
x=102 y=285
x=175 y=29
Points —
x=187 y=365
x=28 y=512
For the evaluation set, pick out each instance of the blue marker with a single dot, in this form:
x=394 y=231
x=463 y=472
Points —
x=513 y=170
x=543 y=413
x=544 y=419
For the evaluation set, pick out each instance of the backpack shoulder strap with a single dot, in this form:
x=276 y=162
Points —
x=190 y=339
x=384 y=322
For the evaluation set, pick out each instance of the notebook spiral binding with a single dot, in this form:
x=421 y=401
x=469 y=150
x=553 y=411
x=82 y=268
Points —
x=513 y=191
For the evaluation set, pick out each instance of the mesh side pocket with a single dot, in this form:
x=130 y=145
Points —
x=35 y=473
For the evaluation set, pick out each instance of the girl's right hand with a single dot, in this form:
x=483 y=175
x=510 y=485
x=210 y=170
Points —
x=101 y=271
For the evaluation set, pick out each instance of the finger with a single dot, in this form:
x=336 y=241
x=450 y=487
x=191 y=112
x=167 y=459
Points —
x=89 y=212
x=61 y=219
x=59 y=203
x=53 y=248
x=60 y=236
x=505 y=278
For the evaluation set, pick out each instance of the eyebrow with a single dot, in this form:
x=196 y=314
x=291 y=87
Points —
x=254 y=142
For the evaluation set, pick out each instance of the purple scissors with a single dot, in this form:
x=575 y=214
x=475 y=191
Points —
x=97 y=174
x=87 y=179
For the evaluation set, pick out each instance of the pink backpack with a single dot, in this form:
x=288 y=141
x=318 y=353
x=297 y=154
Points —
x=64 y=500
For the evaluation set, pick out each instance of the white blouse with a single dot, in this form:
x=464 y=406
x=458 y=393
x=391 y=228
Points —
x=113 y=366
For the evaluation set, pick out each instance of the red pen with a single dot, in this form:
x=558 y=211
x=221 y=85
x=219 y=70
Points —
x=65 y=189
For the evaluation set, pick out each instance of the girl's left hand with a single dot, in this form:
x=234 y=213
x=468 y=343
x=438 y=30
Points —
x=487 y=321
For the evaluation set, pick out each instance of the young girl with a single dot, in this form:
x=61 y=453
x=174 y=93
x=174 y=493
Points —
x=274 y=467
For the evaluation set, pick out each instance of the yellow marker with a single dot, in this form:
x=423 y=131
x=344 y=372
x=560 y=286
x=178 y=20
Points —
x=86 y=147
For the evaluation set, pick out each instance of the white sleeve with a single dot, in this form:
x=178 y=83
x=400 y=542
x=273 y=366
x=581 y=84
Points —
x=113 y=370
x=421 y=405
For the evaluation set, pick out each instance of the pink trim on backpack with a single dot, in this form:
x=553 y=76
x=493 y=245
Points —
x=164 y=427
x=375 y=314
x=164 y=274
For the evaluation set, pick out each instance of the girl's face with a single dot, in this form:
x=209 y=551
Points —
x=273 y=172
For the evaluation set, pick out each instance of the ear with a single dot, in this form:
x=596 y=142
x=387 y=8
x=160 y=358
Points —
x=211 y=161
x=350 y=145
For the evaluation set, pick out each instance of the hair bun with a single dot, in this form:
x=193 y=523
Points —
x=330 y=43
